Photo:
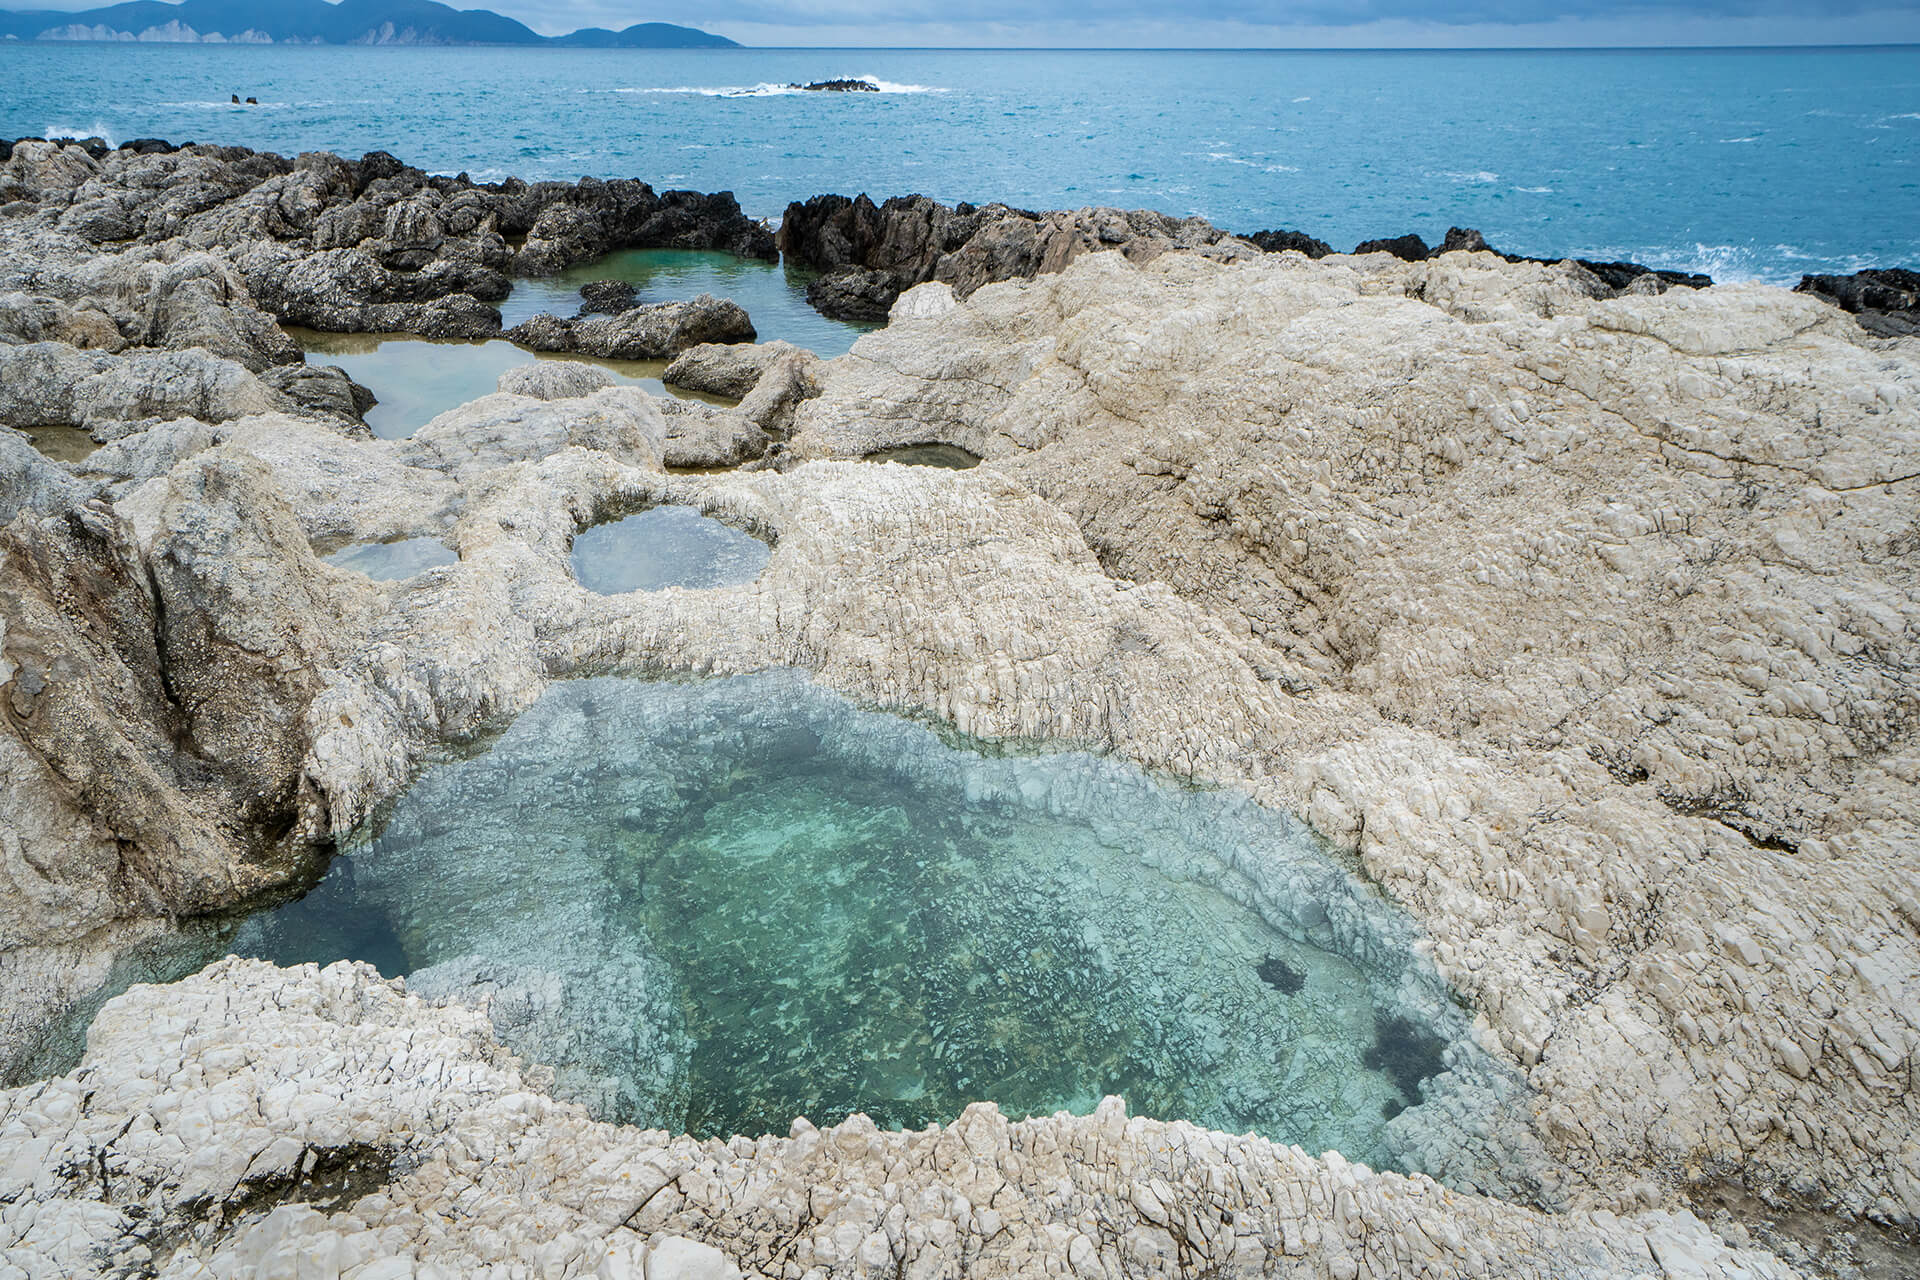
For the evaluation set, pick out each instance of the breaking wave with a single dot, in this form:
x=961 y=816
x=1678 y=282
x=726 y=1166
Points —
x=772 y=90
x=94 y=130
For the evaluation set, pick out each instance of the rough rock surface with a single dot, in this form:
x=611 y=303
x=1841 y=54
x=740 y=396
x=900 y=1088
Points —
x=554 y=380
x=655 y=331
x=724 y=369
x=1592 y=625
x=871 y=253
x=703 y=435
x=255 y=1121
x=353 y=246
x=1886 y=302
x=1588 y=624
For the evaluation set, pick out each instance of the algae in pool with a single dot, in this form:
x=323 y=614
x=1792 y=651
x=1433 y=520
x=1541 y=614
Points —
x=714 y=906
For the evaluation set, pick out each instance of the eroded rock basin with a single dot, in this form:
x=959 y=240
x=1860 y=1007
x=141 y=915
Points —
x=665 y=547
x=715 y=906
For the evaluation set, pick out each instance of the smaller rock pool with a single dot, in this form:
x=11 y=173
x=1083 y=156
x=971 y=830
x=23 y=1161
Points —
x=665 y=547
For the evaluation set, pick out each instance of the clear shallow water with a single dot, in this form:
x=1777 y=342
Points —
x=1741 y=162
x=392 y=561
x=417 y=379
x=717 y=905
x=665 y=547
x=774 y=296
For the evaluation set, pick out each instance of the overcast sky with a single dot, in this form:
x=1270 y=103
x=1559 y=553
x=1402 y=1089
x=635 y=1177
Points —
x=1230 y=23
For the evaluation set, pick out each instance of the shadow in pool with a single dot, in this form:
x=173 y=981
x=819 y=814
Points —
x=950 y=456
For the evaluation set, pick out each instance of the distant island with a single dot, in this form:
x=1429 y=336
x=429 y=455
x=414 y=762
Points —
x=362 y=22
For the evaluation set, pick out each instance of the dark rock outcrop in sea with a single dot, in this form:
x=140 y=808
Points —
x=838 y=86
x=871 y=253
x=348 y=246
x=1297 y=241
x=1884 y=300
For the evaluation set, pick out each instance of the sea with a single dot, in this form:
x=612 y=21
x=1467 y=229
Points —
x=1743 y=163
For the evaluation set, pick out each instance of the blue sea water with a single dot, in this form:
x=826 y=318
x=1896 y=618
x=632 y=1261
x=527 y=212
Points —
x=1744 y=163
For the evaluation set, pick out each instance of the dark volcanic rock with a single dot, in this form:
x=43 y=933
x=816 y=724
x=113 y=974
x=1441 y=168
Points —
x=1408 y=248
x=608 y=297
x=1464 y=240
x=838 y=86
x=872 y=253
x=1298 y=241
x=149 y=146
x=1885 y=300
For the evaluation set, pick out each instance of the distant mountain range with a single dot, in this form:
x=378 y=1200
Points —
x=368 y=22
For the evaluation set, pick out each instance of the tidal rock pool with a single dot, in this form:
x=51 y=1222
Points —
x=391 y=561
x=61 y=444
x=950 y=456
x=713 y=906
x=775 y=296
x=665 y=547
x=418 y=379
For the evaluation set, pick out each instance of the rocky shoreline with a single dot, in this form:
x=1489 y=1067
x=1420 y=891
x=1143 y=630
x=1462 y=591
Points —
x=1581 y=612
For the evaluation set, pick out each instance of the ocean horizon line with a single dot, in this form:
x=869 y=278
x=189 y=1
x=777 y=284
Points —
x=1841 y=47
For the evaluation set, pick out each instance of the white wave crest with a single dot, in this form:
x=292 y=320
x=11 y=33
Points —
x=771 y=90
x=1463 y=175
x=1536 y=191
x=1227 y=157
x=94 y=130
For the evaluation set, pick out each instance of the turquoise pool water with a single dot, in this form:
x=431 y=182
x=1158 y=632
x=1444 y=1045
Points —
x=716 y=905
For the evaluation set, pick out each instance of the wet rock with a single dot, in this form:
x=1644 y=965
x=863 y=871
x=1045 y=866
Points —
x=656 y=331
x=853 y=293
x=839 y=86
x=608 y=297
